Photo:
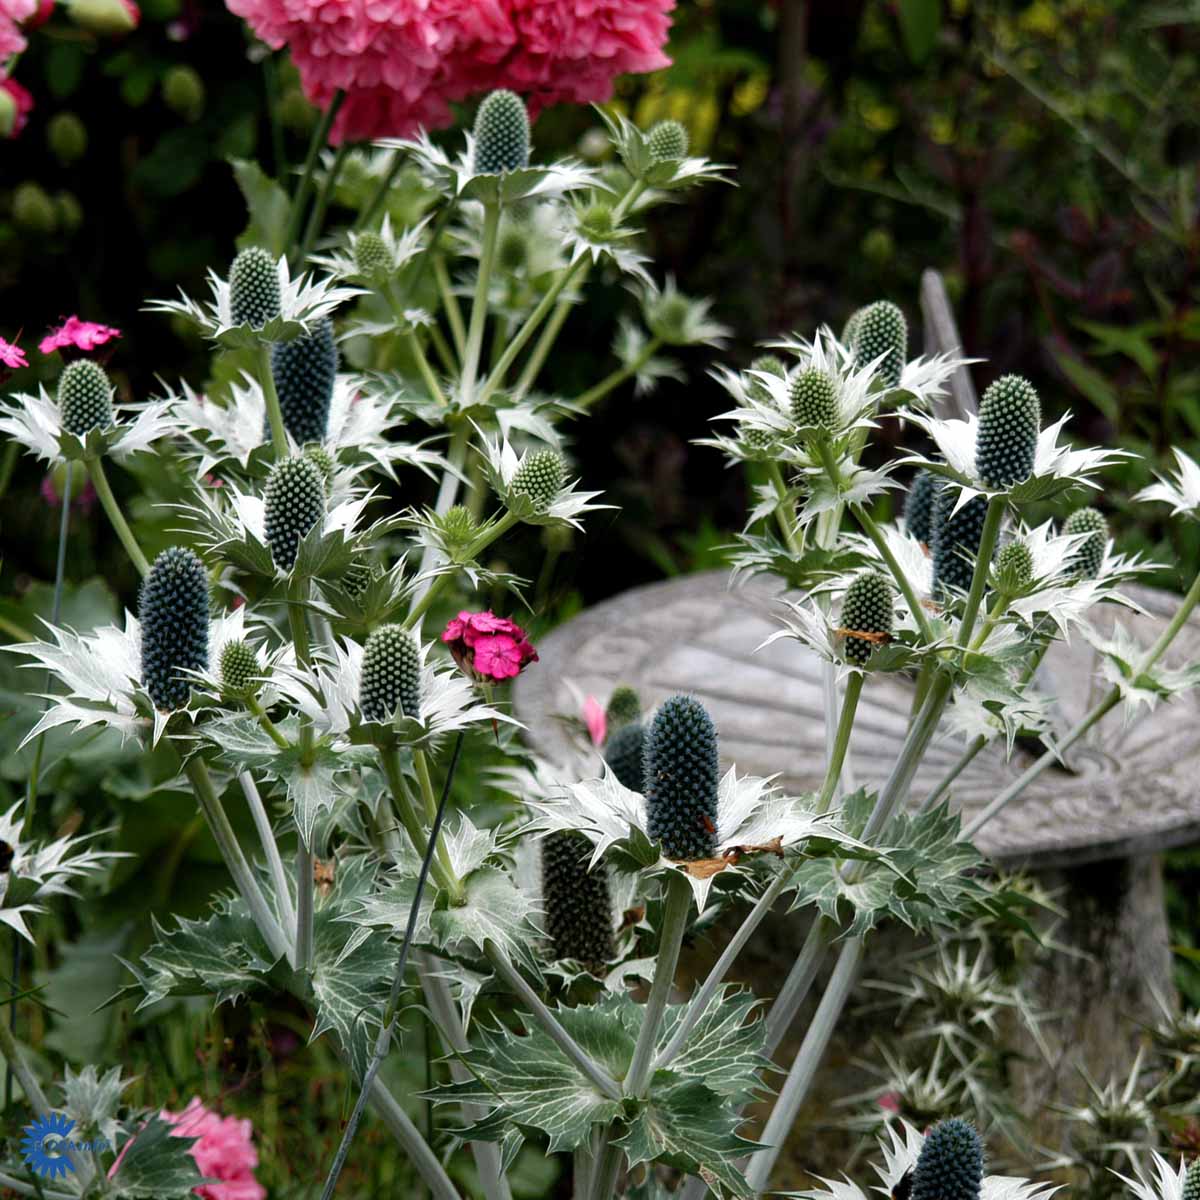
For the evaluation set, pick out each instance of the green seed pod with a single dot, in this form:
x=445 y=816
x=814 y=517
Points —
x=391 y=675
x=501 y=133
x=240 y=669
x=540 y=478
x=173 y=609
x=253 y=288
x=1014 y=568
x=667 y=141
x=372 y=258
x=950 y=1165
x=1010 y=419
x=867 y=608
x=882 y=328
x=682 y=779
x=322 y=460
x=579 y=916
x=183 y=91
x=624 y=754
x=66 y=135
x=814 y=403
x=1086 y=560
x=304 y=370
x=84 y=397
x=32 y=209
x=1191 y=1181
x=459 y=527
x=294 y=503
x=624 y=708
x=918 y=512
x=956 y=540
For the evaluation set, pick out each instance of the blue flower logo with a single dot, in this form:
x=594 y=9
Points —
x=43 y=1159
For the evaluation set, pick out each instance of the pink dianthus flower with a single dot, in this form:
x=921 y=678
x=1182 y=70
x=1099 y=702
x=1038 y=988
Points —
x=11 y=355
x=487 y=647
x=77 y=334
x=596 y=720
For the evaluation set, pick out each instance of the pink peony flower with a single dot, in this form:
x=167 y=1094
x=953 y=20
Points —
x=81 y=335
x=224 y=1152
x=487 y=647
x=402 y=62
x=11 y=355
x=596 y=720
x=15 y=101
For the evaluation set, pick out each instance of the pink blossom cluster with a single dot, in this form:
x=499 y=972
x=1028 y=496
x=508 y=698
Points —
x=14 y=14
x=74 y=334
x=489 y=648
x=401 y=62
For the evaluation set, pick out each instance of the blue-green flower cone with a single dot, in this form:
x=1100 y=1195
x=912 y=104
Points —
x=579 y=916
x=254 y=297
x=950 y=1165
x=304 y=370
x=682 y=779
x=1010 y=419
x=1086 y=560
x=294 y=502
x=867 y=607
x=173 y=610
x=501 y=134
x=84 y=398
x=624 y=753
x=391 y=675
x=956 y=540
x=918 y=512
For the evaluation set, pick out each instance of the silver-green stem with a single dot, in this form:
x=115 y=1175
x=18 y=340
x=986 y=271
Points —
x=266 y=377
x=479 y=306
x=872 y=530
x=583 y=1062
x=456 y=456
x=987 y=545
x=24 y=1189
x=800 y=979
x=841 y=740
x=964 y=761
x=427 y=1164
x=266 y=835
x=785 y=511
x=586 y=399
x=604 y=1178
x=304 y=906
x=418 y=353
x=800 y=1077
x=99 y=480
x=677 y=903
x=450 y=303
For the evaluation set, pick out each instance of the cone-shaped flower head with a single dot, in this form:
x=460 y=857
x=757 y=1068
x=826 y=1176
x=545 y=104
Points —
x=918 y=512
x=239 y=669
x=358 y=575
x=950 y=1165
x=956 y=539
x=813 y=396
x=771 y=364
x=322 y=460
x=294 y=503
x=1010 y=419
x=372 y=258
x=391 y=675
x=880 y=328
x=682 y=778
x=459 y=526
x=253 y=288
x=624 y=754
x=1086 y=561
x=667 y=140
x=540 y=477
x=624 y=708
x=84 y=397
x=578 y=906
x=501 y=133
x=866 y=608
x=304 y=370
x=1191 y=1181
x=1014 y=567
x=173 y=611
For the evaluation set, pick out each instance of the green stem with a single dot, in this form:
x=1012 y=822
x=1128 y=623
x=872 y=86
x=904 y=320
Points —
x=304 y=905
x=872 y=530
x=450 y=303
x=841 y=741
x=266 y=835
x=604 y=1179
x=7 y=465
x=987 y=544
x=320 y=137
x=266 y=377
x=785 y=519
x=385 y=185
x=116 y=516
x=268 y=726
x=479 y=305
x=618 y=376
x=432 y=806
x=677 y=902
x=317 y=218
x=418 y=353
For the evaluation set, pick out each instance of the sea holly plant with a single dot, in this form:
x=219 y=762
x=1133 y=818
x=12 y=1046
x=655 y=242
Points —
x=314 y=648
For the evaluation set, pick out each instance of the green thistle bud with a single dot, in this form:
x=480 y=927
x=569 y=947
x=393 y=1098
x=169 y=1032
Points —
x=579 y=917
x=304 y=370
x=950 y=1165
x=756 y=438
x=1014 y=568
x=623 y=708
x=183 y=91
x=1010 y=419
x=239 y=669
x=294 y=503
x=512 y=251
x=173 y=609
x=84 y=397
x=501 y=133
x=391 y=675
x=881 y=328
x=358 y=576
x=850 y=329
x=322 y=460
x=1191 y=1181
x=918 y=512
x=624 y=754
x=32 y=209
x=956 y=539
x=813 y=395
x=667 y=141
x=540 y=478
x=1086 y=560
x=682 y=779
x=372 y=258
x=66 y=135
x=768 y=364
x=459 y=527
x=866 y=608
x=253 y=288
x=598 y=221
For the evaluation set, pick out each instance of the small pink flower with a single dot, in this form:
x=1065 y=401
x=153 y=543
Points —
x=83 y=499
x=596 y=720
x=11 y=355
x=488 y=647
x=81 y=335
x=15 y=101
x=890 y=1102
